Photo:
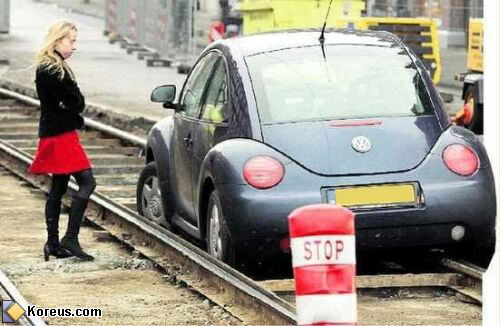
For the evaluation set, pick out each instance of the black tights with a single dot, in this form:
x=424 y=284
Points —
x=84 y=179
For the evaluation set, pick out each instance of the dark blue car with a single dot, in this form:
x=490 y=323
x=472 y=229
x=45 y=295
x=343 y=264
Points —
x=268 y=123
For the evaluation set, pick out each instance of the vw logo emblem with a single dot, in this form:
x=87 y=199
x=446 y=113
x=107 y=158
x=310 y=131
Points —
x=361 y=144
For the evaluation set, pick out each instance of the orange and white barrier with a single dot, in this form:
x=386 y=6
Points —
x=464 y=116
x=324 y=264
x=111 y=16
x=217 y=30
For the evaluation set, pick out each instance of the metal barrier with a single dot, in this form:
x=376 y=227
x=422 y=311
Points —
x=4 y=16
x=180 y=34
x=135 y=19
x=111 y=16
x=156 y=26
x=123 y=17
x=451 y=16
x=163 y=25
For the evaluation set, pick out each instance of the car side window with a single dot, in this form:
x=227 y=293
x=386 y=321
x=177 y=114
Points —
x=195 y=85
x=214 y=108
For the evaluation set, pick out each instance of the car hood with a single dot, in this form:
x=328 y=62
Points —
x=325 y=147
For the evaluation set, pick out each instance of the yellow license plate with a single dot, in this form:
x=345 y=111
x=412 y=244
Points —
x=390 y=194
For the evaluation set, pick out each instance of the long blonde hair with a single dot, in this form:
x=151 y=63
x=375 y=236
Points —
x=47 y=57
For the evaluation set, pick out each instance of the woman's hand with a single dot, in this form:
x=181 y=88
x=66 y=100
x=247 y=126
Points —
x=62 y=106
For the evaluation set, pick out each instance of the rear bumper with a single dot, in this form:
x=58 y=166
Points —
x=258 y=218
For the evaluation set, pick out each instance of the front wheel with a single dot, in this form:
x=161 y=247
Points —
x=149 y=201
x=218 y=234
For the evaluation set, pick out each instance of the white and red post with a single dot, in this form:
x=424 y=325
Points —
x=324 y=264
x=217 y=31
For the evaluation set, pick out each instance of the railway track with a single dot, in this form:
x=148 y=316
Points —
x=9 y=292
x=116 y=156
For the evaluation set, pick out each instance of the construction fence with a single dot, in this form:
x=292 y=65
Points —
x=165 y=26
x=4 y=16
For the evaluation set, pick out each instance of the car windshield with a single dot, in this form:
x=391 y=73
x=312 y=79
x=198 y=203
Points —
x=353 y=81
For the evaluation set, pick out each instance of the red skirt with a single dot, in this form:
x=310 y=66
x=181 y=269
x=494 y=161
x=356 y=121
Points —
x=61 y=154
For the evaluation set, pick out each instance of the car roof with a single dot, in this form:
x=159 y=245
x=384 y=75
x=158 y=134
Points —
x=272 y=41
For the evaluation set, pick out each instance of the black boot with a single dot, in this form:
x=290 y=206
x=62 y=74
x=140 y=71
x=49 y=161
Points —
x=70 y=240
x=52 y=248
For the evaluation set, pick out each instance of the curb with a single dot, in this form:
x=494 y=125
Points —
x=149 y=55
x=81 y=12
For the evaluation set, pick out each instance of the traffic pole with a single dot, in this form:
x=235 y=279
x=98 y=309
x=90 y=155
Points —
x=324 y=264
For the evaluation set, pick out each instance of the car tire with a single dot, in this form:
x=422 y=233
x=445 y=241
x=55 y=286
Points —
x=149 y=201
x=476 y=124
x=218 y=235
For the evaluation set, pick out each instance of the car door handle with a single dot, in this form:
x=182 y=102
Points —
x=188 y=140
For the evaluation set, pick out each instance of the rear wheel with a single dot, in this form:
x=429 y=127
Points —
x=149 y=202
x=476 y=120
x=218 y=234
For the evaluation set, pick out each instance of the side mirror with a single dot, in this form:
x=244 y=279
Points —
x=164 y=94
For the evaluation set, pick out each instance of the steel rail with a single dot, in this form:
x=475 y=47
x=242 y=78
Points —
x=9 y=292
x=464 y=268
x=472 y=286
x=112 y=131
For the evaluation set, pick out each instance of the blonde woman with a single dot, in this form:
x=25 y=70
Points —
x=59 y=150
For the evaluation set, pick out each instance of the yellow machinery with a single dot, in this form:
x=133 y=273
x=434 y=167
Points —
x=420 y=34
x=471 y=115
x=268 y=15
x=475 y=50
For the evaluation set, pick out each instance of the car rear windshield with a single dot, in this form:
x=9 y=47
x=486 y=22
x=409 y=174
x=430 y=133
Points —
x=348 y=81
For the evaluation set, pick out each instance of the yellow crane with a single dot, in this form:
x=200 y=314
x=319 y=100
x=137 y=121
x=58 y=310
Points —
x=419 y=34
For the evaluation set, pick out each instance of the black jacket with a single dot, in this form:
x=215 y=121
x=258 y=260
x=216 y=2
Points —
x=60 y=103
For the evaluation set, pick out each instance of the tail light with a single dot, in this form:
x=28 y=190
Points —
x=263 y=172
x=461 y=159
